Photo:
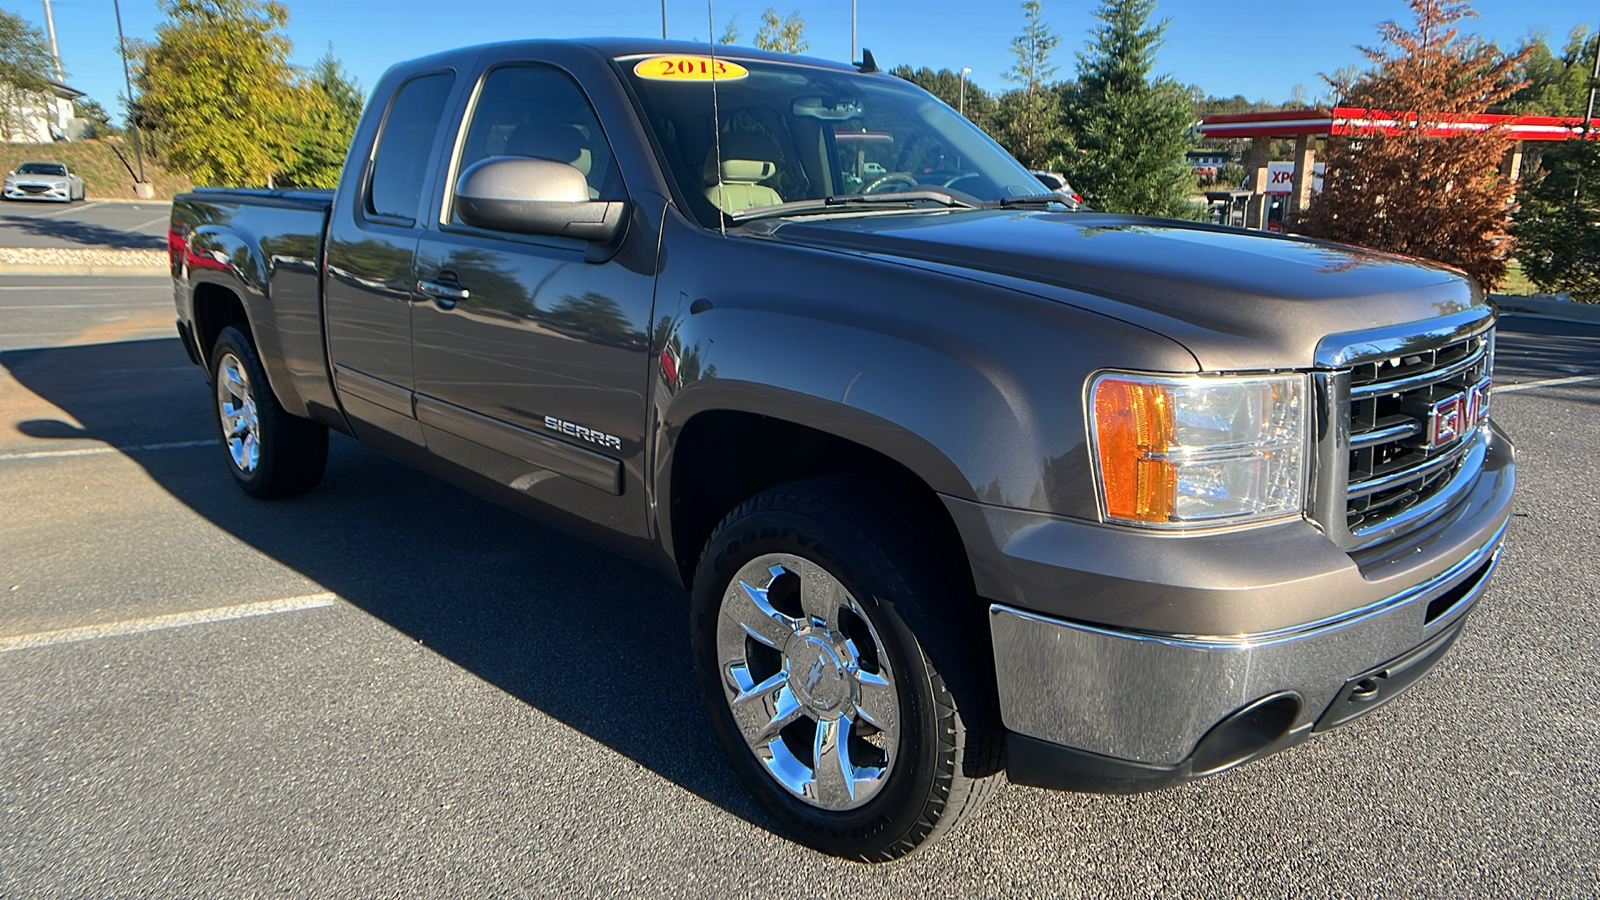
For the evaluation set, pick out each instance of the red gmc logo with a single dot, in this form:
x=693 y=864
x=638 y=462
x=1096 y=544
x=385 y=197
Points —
x=1453 y=417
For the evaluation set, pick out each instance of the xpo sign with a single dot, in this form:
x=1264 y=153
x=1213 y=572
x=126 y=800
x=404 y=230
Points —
x=1280 y=177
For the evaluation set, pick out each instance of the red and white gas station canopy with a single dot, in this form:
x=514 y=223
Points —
x=1349 y=120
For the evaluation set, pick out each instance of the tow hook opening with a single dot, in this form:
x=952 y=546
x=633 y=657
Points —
x=1246 y=733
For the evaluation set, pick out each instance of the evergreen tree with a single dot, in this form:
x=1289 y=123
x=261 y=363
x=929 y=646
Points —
x=781 y=35
x=327 y=110
x=1028 y=120
x=947 y=86
x=1130 y=129
x=1556 y=85
x=1558 y=223
x=1403 y=190
x=730 y=35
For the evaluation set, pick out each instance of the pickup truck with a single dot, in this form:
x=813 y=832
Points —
x=964 y=484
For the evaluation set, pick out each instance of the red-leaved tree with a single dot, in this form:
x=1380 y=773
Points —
x=1402 y=188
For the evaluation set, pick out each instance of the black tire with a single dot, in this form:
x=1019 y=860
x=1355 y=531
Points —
x=916 y=610
x=270 y=453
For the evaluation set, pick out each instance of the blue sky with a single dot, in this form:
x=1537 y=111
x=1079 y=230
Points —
x=1261 y=50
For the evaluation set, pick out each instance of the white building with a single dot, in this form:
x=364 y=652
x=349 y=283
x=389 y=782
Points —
x=39 y=117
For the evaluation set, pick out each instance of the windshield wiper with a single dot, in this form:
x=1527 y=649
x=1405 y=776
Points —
x=845 y=201
x=1030 y=200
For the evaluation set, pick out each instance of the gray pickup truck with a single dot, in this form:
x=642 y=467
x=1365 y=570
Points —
x=964 y=482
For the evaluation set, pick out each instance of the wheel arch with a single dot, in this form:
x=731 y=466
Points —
x=722 y=457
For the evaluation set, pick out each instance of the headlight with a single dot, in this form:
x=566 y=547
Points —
x=1209 y=450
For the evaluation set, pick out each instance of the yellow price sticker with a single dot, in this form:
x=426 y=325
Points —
x=689 y=68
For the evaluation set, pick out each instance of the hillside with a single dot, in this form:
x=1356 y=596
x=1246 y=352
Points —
x=104 y=176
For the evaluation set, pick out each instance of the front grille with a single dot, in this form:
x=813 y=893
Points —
x=35 y=188
x=1394 y=461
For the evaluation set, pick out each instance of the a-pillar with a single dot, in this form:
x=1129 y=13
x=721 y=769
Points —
x=1255 y=211
x=1305 y=161
x=1511 y=165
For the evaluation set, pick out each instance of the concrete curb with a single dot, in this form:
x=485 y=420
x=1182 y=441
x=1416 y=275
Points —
x=1548 y=307
x=19 y=269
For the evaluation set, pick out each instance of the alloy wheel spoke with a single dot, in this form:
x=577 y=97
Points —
x=765 y=709
x=877 y=704
x=748 y=606
x=834 y=782
x=822 y=596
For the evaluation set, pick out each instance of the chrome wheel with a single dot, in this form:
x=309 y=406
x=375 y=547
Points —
x=236 y=408
x=808 y=681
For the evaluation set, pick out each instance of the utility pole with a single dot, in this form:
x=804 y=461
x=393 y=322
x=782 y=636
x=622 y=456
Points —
x=122 y=44
x=852 y=31
x=962 y=101
x=55 y=51
x=663 y=19
x=1588 y=114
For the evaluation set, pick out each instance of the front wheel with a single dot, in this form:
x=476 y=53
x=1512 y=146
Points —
x=842 y=671
x=271 y=453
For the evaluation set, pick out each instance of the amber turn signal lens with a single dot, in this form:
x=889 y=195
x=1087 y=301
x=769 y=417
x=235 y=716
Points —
x=1133 y=425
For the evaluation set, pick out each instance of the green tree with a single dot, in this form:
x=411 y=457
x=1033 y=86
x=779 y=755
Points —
x=730 y=35
x=218 y=89
x=1557 y=224
x=1027 y=121
x=946 y=85
x=1400 y=188
x=326 y=111
x=92 y=112
x=781 y=35
x=1556 y=85
x=25 y=67
x=1130 y=128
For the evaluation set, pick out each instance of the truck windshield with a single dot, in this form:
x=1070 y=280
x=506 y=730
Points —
x=794 y=132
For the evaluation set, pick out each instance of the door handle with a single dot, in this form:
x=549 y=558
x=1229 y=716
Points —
x=443 y=293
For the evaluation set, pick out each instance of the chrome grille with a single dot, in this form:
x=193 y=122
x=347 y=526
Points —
x=1395 y=461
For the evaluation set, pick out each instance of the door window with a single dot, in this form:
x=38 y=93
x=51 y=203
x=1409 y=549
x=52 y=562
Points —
x=405 y=147
x=538 y=112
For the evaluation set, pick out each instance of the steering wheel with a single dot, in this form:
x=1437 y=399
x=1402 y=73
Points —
x=891 y=178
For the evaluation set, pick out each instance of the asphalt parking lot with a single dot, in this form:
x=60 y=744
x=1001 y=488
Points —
x=99 y=224
x=390 y=688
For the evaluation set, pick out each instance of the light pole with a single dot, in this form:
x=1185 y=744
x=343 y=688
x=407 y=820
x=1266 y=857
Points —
x=961 y=103
x=122 y=45
x=852 y=31
x=663 y=19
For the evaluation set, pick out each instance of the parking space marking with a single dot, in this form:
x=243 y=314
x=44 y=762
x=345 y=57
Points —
x=1547 y=382
x=156 y=221
x=70 y=209
x=161 y=623
x=95 y=451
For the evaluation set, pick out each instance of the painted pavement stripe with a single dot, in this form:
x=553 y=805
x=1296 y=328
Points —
x=161 y=623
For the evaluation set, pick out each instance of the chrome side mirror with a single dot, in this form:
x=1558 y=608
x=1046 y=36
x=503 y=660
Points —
x=535 y=196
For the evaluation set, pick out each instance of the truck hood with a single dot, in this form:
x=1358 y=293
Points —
x=1235 y=299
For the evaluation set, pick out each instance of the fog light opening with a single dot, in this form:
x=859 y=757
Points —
x=1245 y=734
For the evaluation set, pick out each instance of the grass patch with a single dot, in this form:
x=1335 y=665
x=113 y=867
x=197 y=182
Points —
x=1517 y=283
x=104 y=176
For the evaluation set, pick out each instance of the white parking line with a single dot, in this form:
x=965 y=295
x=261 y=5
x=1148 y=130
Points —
x=96 y=451
x=1548 y=382
x=157 y=220
x=160 y=623
x=69 y=209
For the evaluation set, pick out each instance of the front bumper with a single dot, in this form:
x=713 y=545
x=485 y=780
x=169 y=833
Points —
x=1126 y=660
x=38 y=192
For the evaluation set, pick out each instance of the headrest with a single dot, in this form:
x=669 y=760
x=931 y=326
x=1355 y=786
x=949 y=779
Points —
x=740 y=171
x=562 y=143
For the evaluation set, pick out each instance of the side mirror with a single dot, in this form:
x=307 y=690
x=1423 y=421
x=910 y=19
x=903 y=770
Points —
x=535 y=196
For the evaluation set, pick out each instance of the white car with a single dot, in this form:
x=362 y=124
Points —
x=43 y=181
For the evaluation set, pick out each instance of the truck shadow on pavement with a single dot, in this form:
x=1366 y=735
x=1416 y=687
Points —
x=591 y=640
x=89 y=235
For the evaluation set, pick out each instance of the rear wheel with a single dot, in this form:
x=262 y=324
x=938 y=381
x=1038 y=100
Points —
x=841 y=670
x=271 y=453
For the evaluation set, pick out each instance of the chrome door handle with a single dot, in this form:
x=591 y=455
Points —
x=454 y=293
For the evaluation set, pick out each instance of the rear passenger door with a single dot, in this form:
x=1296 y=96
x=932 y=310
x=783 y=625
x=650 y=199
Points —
x=531 y=367
x=369 y=290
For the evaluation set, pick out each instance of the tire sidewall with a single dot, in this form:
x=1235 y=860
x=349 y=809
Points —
x=890 y=815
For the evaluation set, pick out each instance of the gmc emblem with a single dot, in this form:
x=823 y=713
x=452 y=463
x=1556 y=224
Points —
x=1454 y=417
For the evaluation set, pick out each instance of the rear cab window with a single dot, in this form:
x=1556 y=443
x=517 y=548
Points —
x=405 y=148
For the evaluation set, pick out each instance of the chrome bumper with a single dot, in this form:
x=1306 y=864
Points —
x=1149 y=698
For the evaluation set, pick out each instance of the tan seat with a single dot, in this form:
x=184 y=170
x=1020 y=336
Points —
x=561 y=143
x=738 y=185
